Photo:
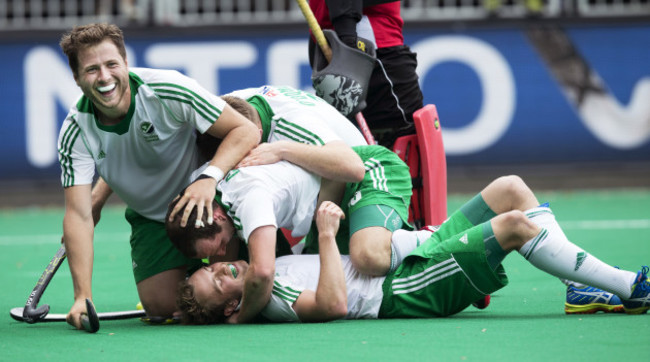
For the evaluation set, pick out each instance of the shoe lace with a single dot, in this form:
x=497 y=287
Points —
x=643 y=283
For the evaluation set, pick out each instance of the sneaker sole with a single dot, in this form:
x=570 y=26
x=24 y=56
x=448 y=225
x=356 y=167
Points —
x=640 y=310
x=593 y=308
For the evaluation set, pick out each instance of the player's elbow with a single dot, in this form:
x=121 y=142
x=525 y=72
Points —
x=356 y=171
x=261 y=275
x=333 y=305
x=250 y=135
x=338 y=309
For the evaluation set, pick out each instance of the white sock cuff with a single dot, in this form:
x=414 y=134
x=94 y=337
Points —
x=540 y=212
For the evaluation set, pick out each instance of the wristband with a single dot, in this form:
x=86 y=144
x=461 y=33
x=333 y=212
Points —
x=214 y=172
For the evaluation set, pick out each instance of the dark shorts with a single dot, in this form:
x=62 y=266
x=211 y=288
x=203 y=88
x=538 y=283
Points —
x=151 y=250
x=394 y=94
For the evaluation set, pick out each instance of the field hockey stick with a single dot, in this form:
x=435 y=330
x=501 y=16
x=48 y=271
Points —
x=315 y=29
x=17 y=314
x=327 y=51
x=31 y=314
x=90 y=320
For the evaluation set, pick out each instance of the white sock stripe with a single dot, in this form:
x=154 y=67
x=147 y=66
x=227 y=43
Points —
x=538 y=211
x=536 y=241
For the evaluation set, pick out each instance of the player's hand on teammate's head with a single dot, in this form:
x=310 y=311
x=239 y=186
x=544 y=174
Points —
x=199 y=194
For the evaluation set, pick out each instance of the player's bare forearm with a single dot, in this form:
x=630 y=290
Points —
x=331 y=292
x=100 y=193
x=257 y=292
x=78 y=232
x=258 y=282
x=329 y=301
x=334 y=161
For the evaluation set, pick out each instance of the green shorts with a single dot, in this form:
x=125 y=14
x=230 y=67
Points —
x=444 y=275
x=151 y=250
x=382 y=198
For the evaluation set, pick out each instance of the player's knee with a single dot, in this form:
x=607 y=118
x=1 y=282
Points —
x=158 y=292
x=370 y=261
x=511 y=184
x=157 y=307
x=517 y=228
x=516 y=190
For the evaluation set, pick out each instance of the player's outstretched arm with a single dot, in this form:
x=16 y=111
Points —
x=78 y=231
x=329 y=301
x=334 y=161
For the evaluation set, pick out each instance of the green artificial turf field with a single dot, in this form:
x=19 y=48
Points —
x=525 y=320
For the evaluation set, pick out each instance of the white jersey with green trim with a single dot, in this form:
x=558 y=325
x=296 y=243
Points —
x=280 y=194
x=297 y=113
x=149 y=156
x=296 y=273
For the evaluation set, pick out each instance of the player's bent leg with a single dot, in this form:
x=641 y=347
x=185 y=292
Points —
x=158 y=292
x=513 y=229
x=370 y=251
x=509 y=193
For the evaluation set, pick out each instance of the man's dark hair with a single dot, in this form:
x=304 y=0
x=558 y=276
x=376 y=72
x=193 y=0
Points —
x=85 y=36
x=193 y=312
x=184 y=238
x=207 y=143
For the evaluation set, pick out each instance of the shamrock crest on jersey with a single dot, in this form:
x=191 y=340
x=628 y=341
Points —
x=148 y=131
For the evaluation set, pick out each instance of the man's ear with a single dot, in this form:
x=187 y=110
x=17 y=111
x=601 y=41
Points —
x=231 y=307
x=219 y=214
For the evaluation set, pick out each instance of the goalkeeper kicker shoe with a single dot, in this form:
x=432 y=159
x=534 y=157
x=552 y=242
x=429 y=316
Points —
x=639 y=301
x=588 y=300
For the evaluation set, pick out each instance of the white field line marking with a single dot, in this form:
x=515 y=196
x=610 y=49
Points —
x=605 y=224
x=44 y=239
x=55 y=239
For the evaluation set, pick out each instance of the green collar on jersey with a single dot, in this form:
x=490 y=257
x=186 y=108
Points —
x=86 y=106
x=217 y=198
x=266 y=114
x=226 y=208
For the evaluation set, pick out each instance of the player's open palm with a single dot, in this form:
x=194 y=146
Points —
x=328 y=218
x=263 y=154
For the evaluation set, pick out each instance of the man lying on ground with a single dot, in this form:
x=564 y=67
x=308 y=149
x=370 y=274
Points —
x=457 y=265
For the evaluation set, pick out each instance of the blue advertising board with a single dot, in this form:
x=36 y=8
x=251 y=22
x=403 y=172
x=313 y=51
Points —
x=504 y=95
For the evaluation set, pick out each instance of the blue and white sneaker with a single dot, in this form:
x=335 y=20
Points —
x=639 y=301
x=589 y=300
